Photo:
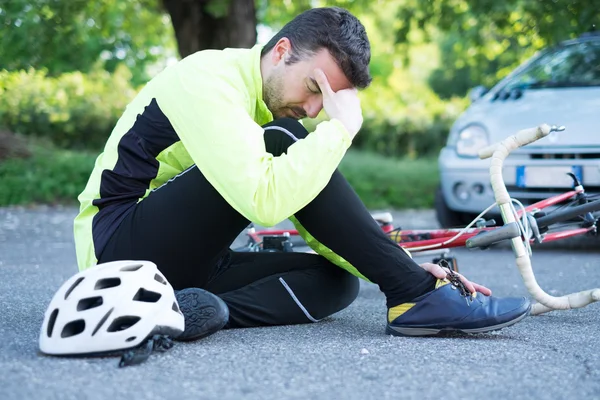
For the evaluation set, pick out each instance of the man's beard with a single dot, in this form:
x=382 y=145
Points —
x=273 y=95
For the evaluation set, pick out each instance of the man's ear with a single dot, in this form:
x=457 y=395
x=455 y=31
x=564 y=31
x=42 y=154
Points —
x=281 y=50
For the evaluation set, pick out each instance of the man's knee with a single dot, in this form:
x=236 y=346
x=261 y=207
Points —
x=281 y=134
x=349 y=287
x=340 y=291
x=296 y=297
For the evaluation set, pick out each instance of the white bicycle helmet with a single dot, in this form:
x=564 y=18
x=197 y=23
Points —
x=110 y=307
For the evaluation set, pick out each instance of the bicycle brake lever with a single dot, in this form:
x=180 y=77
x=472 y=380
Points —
x=534 y=228
x=575 y=180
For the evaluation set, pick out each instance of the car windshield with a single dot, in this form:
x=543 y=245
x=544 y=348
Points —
x=573 y=65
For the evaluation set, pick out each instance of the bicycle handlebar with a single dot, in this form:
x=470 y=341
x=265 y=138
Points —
x=498 y=152
x=520 y=139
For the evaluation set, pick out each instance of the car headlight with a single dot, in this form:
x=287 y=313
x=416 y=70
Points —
x=470 y=140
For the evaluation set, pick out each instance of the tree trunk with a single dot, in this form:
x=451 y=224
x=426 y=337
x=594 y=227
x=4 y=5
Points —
x=197 y=29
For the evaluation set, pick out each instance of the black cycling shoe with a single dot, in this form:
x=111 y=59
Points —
x=203 y=312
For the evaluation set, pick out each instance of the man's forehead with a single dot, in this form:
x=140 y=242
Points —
x=335 y=75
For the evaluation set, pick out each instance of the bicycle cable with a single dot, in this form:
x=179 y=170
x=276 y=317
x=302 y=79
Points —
x=523 y=223
x=459 y=234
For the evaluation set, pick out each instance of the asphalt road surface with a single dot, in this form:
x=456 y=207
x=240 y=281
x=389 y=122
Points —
x=347 y=356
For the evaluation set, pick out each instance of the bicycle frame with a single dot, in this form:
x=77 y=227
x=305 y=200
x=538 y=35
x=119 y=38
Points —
x=442 y=238
x=420 y=240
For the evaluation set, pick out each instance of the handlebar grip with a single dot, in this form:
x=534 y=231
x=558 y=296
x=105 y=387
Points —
x=487 y=238
x=521 y=138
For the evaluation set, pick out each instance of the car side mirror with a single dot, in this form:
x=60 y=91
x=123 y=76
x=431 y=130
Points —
x=477 y=92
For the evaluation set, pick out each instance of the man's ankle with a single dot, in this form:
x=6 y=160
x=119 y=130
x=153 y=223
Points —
x=402 y=305
x=424 y=287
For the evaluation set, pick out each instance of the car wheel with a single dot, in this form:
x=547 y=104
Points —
x=446 y=217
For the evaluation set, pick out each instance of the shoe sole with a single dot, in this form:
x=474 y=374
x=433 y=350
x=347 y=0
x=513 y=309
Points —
x=203 y=312
x=407 y=331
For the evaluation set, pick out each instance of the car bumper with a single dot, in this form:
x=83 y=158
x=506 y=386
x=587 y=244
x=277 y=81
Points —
x=466 y=187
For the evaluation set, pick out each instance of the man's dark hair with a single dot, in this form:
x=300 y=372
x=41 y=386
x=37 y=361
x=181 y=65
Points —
x=334 y=29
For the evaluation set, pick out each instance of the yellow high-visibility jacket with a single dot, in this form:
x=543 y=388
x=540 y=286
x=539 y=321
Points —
x=207 y=110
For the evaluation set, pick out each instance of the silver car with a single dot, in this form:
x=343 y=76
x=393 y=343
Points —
x=558 y=86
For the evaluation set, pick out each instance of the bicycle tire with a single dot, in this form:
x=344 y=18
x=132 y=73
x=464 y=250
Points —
x=568 y=213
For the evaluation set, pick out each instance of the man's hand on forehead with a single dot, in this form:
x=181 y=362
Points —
x=343 y=105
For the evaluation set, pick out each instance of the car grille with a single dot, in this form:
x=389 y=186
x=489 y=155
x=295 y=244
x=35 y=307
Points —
x=529 y=196
x=564 y=156
x=544 y=192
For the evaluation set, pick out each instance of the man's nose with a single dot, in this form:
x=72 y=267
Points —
x=314 y=106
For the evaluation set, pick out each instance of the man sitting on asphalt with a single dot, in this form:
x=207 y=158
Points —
x=213 y=143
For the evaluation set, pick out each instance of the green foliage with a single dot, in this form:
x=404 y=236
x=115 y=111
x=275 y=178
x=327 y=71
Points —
x=404 y=117
x=395 y=183
x=481 y=41
x=276 y=13
x=78 y=35
x=57 y=176
x=50 y=176
x=72 y=109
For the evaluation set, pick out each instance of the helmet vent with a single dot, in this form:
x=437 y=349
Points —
x=51 y=322
x=147 y=296
x=73 y=328
x=132 y=267
x=90 y=302
x=73 y=286
x=107 y=283
x=131 y=339
x=159 y=278
x=176 y=307
x=122 y=323
x=102 y=321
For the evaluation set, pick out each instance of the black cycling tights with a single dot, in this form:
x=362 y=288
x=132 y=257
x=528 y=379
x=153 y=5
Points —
x=187 y=228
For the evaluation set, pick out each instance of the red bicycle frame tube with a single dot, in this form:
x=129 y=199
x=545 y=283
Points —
x=550 y=201
x=436 y=239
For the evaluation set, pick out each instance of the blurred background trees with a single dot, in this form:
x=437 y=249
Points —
x=482 y=40
x=68 y=67
x=77 y=35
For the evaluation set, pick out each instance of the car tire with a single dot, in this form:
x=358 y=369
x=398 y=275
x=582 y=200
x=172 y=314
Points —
x=446 y=217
